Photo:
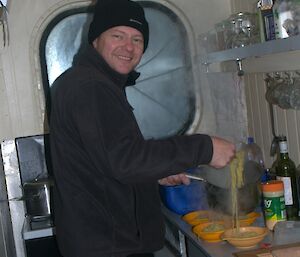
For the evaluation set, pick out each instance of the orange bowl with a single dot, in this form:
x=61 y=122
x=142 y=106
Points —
x=196 y=217
x=248 y=219
x=210 y=231
x=247 y=237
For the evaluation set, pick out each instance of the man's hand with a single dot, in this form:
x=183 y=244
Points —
x=223 y=152
x=175 y=180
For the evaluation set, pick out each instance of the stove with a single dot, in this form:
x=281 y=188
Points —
x=40 y=223
x=33 y=229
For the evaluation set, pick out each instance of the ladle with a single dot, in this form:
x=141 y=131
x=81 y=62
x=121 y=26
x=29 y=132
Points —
x=195 y=177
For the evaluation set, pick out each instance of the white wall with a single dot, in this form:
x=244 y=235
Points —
x=21 y=111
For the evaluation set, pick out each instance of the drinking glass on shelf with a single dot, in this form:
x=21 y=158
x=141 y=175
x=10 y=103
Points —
x=208 y=41
x=251 y=27
x=296 y=16
x=272 y=83
x=241 y=37
x=295 y=94
x=229 y=30
x=220 y=36
x=283 y=92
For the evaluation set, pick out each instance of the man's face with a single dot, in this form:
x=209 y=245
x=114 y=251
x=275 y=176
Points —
x=121 y=47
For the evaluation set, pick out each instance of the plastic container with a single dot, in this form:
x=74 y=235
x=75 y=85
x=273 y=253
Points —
x=286 y=232
x=274 y=204
x=254 y=152
x=182 y=199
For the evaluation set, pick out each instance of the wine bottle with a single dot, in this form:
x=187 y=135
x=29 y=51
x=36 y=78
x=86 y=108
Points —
x=286 y=172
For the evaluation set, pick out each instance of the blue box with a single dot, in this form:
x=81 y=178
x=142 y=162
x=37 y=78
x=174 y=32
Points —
x=182 y=199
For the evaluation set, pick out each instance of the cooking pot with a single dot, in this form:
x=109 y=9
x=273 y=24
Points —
x=222 y=177
x=220 y=199
x=218 y=186
x=37 y=198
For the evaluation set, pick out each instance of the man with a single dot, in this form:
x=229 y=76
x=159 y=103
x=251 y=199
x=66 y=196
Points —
x=106 y=196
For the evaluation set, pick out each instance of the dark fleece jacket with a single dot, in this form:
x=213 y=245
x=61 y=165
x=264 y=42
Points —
x=106 y=200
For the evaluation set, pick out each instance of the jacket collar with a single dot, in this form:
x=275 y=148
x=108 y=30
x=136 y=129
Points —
x=91 y=57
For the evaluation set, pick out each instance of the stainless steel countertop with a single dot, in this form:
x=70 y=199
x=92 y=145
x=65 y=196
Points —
x=219 y=249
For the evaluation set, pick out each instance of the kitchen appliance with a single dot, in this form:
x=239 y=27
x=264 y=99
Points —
x=37 y=198
x=35 y=175
x=36 y=183
x=219 y=198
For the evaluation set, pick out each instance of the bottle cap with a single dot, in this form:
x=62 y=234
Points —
x=250 y=140
x=272 y=185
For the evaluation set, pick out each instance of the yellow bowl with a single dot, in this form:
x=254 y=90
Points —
x=248 y=219
x=196 y=217
x=245 y=237
x=209 y=236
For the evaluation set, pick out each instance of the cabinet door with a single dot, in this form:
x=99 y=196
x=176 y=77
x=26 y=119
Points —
x=46 y=247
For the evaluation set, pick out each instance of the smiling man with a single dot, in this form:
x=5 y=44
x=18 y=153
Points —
x=106 y=200
x=121 y=47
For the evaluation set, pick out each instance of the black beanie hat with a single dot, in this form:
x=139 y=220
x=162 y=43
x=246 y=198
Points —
x=112 y=13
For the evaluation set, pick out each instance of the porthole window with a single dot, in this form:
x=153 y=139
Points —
x=163 y=98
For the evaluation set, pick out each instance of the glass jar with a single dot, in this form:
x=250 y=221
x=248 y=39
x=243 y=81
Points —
x=230 y=31
x=283 y=18
x=220 y=35
x=241 y=37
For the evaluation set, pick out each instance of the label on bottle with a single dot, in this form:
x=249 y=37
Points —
x=288 y=196
x=283 y=147
x=274 y=208
x=268 y=23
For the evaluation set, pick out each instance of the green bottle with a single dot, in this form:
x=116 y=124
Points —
x=286 y=172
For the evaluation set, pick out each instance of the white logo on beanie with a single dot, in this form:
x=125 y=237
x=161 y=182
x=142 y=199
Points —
x=133 y=20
